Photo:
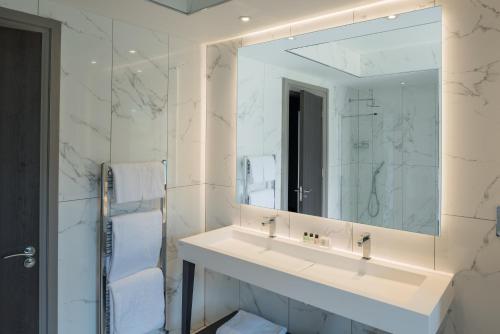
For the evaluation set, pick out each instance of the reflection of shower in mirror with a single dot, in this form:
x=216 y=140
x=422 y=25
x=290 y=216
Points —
x=374 y=202
x=368 y=99
x=332 y=105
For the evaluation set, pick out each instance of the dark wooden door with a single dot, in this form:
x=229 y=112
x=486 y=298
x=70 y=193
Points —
x=20 y=124
x=311 y=153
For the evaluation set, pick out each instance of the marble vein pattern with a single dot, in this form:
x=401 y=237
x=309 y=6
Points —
x=221 y=113
x=470 y=149
x=469 y=247
x=221 y=292
x=139 y=94
x=185 y=216
x=78 y=221
x=306 y=319
x=264 y=303
x=85 y=118
x=184 y=114
x=27 y=6
x=221 y=207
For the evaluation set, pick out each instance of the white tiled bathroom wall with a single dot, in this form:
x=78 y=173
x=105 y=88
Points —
x=122 y=106
x=470 y=188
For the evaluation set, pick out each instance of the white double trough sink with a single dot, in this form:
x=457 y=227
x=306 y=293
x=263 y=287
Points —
x=390 y=296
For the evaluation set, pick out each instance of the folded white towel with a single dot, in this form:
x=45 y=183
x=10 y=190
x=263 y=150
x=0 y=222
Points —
x=138 y=181
x=248 y=323
x=262 y=169
x=262 y=198
x=136 y=243
x=137 y=303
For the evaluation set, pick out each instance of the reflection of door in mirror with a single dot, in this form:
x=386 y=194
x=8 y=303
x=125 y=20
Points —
x=305 y=152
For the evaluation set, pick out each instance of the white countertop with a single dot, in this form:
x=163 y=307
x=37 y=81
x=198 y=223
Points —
x=391 y=296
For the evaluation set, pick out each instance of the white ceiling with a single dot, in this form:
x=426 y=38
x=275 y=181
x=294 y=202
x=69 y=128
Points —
x=216 y=23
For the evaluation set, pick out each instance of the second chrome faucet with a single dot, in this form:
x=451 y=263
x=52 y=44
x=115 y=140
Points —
x=365 y=241
x=271 y=221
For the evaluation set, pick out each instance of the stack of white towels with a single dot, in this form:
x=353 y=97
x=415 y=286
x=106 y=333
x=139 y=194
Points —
x=136 y=284
x=248 y=323
x=262 y=172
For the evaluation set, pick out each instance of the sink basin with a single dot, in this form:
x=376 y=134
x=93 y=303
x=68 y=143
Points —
x=390 y=296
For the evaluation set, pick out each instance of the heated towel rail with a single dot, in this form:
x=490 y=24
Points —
x=104 y=247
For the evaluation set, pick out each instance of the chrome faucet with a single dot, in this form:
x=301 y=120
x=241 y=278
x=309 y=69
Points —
x=366 y=242
x=271 y=221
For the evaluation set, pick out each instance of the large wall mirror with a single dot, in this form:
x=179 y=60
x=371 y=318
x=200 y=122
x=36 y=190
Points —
x=344 y=123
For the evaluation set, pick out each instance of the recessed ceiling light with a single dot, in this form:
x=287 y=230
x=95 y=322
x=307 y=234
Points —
x=245 y=18
x=392 y=17
x=139 y=71
x=132 y=51
x=93 y=62
x=403 y=83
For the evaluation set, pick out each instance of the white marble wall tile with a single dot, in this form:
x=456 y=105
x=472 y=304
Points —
x=470 y=248
x=185 y=217
x=349 y=193
x=264 y=303
x=140 y=94
x=335 y=19
x=338 y=231
x=221 y=207
x=385 y=8
x=221 y=113
x=261 y=37
x=222 y=294
x=421 y=123
x=77 y=257
x=406 y=247
x=365 y=172
x=334 y=191
x=306 y=319
x=184 y=114
x=388 y=125
x=252 y=217
x=470 y=118
x=420 y=199
x=389 y=186
x=27 y=6
x=85 y=117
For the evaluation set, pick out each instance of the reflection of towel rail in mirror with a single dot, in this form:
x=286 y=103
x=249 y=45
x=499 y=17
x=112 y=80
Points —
x=263 y=192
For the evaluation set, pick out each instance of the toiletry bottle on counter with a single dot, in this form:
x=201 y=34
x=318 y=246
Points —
x=316 y=239
x=305 y=238
x=311 y=238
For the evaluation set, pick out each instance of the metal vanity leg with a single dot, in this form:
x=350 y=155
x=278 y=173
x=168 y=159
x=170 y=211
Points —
x=187 y=295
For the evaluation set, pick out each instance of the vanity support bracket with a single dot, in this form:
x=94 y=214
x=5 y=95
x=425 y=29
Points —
x=187 y=295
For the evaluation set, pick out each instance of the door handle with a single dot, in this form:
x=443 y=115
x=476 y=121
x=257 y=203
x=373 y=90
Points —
x=29 y=251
